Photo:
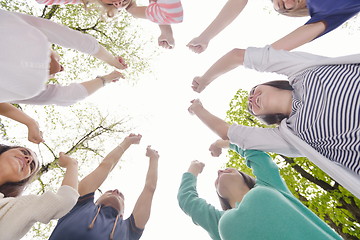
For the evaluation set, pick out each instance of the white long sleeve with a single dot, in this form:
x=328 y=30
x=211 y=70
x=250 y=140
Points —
x=17 y=215
x=288 y=63
x=264 y=139
x=25 y=52
x=58 y=95
x=62 y=35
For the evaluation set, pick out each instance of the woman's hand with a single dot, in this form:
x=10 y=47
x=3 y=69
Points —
x=196 y=167
x=215 y=150
x=199 y=84
x=198 y=45
x=133 y=138
x=114 y=76
x=195 y=105
x=34 y=133
x=65 y=161
x=151 y=153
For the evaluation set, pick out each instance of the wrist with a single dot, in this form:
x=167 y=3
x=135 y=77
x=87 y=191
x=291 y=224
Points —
x=103 y=80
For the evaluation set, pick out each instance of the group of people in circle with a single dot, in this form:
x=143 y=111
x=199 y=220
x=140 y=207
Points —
x=317 y=113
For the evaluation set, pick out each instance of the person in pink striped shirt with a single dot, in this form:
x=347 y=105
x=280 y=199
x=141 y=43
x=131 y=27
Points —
x=162 y=12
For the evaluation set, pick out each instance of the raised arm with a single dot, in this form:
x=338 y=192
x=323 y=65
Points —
x=217 y=125
x=300 y=36
x=71 y=174
x=73 y=93
x=226 y=63
x=69 y=38
x=202 y=213
x=94 y=180
x=34 y=133
x=142 y=207
x=227 y=14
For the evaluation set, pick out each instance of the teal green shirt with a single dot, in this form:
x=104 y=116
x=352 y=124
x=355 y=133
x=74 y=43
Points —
x=268 y=211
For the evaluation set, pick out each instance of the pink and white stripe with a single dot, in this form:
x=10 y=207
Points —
x=165 y=11
x=58 y=2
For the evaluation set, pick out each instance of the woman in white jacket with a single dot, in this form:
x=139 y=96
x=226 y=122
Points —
x=317 y=109
x=27 y=62
x=18 y=166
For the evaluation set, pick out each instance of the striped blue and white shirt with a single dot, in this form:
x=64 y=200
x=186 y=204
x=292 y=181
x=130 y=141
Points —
x=326 y=112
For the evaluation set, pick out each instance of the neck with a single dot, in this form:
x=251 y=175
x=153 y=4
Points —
x=237 y=197
x=285 y=97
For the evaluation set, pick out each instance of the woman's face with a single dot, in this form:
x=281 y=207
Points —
x=265 y=99
x=283 y=5
x=17 y=164
x=117 y=3
x=229 y=180
x=114 y=199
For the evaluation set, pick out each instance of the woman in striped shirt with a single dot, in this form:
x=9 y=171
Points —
x=162 y=12
x=317 y=110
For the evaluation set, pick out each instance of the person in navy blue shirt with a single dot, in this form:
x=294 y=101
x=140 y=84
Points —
x=103 y=219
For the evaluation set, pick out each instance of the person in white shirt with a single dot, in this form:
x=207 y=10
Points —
x=27 y=62
x=18 y=167
x=317 y=109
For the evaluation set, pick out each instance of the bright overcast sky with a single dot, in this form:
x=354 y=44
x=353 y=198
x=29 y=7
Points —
x=158 y=103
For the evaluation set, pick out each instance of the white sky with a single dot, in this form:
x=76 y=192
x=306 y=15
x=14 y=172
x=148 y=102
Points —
x=158 y=103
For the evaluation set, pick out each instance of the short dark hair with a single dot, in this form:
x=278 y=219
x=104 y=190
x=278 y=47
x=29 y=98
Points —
x=277 y=117
x=14 y=189
x=249 y=181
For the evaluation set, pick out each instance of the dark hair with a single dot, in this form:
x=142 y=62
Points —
x=275 y=118
x=14 y=189
x=249 y=181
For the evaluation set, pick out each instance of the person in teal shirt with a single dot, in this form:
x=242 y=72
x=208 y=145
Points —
x=265 y=209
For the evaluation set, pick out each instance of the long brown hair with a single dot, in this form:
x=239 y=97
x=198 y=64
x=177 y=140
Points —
x=14 y=189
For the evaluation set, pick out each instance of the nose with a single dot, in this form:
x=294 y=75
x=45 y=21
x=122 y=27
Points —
x=61 y=68
x=117 y=4
x=28 y=159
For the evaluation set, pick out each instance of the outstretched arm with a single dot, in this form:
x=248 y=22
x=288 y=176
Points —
x=99 y=82
x=142 y=207
x=227 y=14
x=73 y=93
x=94 y=180
x=300 y=36
x=226 y=63
x=34 y=133
x=71 y=174
x=217 y=125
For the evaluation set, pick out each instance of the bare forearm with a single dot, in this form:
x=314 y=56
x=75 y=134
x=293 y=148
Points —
x=71 y=177
x=152 y=175
x=217 y=125
x=8 y=110
x=226 y=63
x=300 y=36
x=107 y=57
x=93 y=85
x=165 y=29
x=226 y=16
x=114 y=156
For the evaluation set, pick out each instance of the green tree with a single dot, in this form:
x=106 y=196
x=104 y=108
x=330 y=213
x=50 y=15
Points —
x=320 y=193
x=82 y=130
